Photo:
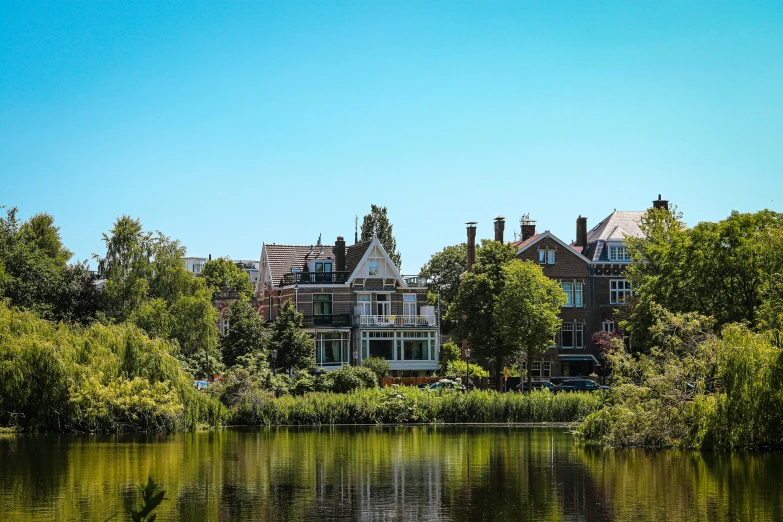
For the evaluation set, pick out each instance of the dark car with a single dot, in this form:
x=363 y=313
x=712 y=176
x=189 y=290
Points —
x=576 y=385
x=535 y=385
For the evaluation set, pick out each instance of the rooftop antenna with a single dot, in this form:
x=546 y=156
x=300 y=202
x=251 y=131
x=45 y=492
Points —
x=355 y=229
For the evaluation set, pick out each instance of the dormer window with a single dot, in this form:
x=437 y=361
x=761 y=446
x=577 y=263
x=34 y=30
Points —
x=372 y=267
x=618 y=253
x=323 y=266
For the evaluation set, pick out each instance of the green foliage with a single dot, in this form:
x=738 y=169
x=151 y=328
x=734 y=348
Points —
x=443 y=272
x=349 y=378
x=221 y=272
x=194 y=321
x=34 y=273
x=401 y=404
x=150 y=500
x=527 y=308
x=377 y=224
x=379 y=366
x=450 y=352
x=245 y=334
x=729 y=270
x=294 y=347
x=459 y=369
x=102 y=378
x=153 y=317
x=693 y=389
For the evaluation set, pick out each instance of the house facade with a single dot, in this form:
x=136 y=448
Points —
x=355 y=304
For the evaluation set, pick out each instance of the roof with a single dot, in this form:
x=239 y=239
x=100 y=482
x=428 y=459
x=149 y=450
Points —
x=615 y=227
x=522 y=244
x=284 y=257
x=354 y=254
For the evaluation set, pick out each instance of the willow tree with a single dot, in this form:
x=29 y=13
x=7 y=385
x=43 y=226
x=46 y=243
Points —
x=527 y=308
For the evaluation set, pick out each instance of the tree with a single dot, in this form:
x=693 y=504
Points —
x=443 y=272
x=724 y=270
x=527 y=308
x=245 y=334
x=223 y=271
x=294 y=348
x=473 y=309
x=449 y=353
x=377 y=224
x=194 y=327
x=379 y=366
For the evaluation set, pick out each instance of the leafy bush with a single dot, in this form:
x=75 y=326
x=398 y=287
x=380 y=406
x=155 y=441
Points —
x=349 y=378
x=460 y=369
x=379 y=366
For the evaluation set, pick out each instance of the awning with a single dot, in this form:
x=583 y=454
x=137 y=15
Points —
x=585 y=357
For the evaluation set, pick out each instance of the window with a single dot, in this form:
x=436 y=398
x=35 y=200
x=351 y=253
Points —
x=409 y=308
x=372 y=266
x=364 y=301
x=607 y=326
x=572 y=335
x=224 y=323
x=323 y=266
x=618 y=253
x=547 y=369
x=574 y=293
x=546 y=256
x=322 y=304
x=271 y=308
x=536 y=371
x=383 y=304
x=331 y=348
x=619 y=291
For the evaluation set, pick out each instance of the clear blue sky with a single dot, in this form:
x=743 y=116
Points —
x=227 y=124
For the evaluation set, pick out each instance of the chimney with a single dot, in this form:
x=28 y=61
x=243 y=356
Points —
x=500 y=224
x=339 y=254
x=661 y=203
x=581 y=231
x=471 y=243
x=528 y=227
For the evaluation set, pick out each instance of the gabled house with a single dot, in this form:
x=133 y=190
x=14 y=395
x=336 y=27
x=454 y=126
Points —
x=571 y=353
x=355 y=302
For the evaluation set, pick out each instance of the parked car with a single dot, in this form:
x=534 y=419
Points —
x=574 y=385
x=447 y=385
x=534 y=385
x=200 y=385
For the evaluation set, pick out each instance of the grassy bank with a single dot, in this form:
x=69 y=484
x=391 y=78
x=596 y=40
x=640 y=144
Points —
x=411 y=405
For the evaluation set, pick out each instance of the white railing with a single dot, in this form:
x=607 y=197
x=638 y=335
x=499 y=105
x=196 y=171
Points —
x=397 y=320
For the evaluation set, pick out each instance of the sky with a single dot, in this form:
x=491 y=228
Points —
x=229 y=124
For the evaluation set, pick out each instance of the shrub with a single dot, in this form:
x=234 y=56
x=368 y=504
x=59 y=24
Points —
x=379 y=366
x=349 y=378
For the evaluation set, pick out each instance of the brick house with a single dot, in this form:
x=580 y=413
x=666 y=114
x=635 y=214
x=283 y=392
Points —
x=571 y=352
x=355 y=303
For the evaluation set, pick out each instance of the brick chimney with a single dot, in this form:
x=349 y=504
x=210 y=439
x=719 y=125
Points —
x=528 y=227
x=581 y=231
x=339 y=254
x=500 y=225
x=661 y=203
x=471 y=244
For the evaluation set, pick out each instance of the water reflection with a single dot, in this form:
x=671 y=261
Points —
x=365 y=473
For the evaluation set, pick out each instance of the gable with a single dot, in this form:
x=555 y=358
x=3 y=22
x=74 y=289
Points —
x=547 y=239
x=376 y=264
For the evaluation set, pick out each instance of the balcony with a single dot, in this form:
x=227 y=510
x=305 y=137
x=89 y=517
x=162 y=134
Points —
x=334 y=320
x=397 y=320
x=315 y=278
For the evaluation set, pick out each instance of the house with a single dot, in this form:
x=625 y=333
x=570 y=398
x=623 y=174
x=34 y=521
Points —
x=571 y=353
x=605 y=247
x=355 y=304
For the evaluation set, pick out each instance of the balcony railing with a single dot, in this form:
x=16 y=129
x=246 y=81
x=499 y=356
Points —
x=397 y=320
x=314 y=278
x=314 y=321
x=415 y=281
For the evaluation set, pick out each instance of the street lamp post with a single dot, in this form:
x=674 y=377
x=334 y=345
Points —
x=296 y=296
x=467 y=367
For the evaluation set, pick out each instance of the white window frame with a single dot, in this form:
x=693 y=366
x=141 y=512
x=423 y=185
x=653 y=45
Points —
x=386 y=303
x=377 y=268
x=618 y=253
x=607 y=326
x=578 y=295
x=546 y=256
x=535 y=370
x=620 y=291
x=366 y=304
x=330 y=301
x=409 y=308
x=568 y=288
x=569 y=327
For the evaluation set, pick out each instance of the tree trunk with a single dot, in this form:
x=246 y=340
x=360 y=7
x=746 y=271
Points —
x=499 y=371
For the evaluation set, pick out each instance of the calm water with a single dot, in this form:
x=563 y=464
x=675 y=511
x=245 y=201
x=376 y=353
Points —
x=406 y=473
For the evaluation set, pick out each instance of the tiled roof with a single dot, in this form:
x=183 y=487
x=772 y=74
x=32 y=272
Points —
x=284 y=257
x=522 y=244
x=615 y=227
x=354 y=254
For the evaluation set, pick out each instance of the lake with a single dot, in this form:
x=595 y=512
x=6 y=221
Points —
x=381 y=473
